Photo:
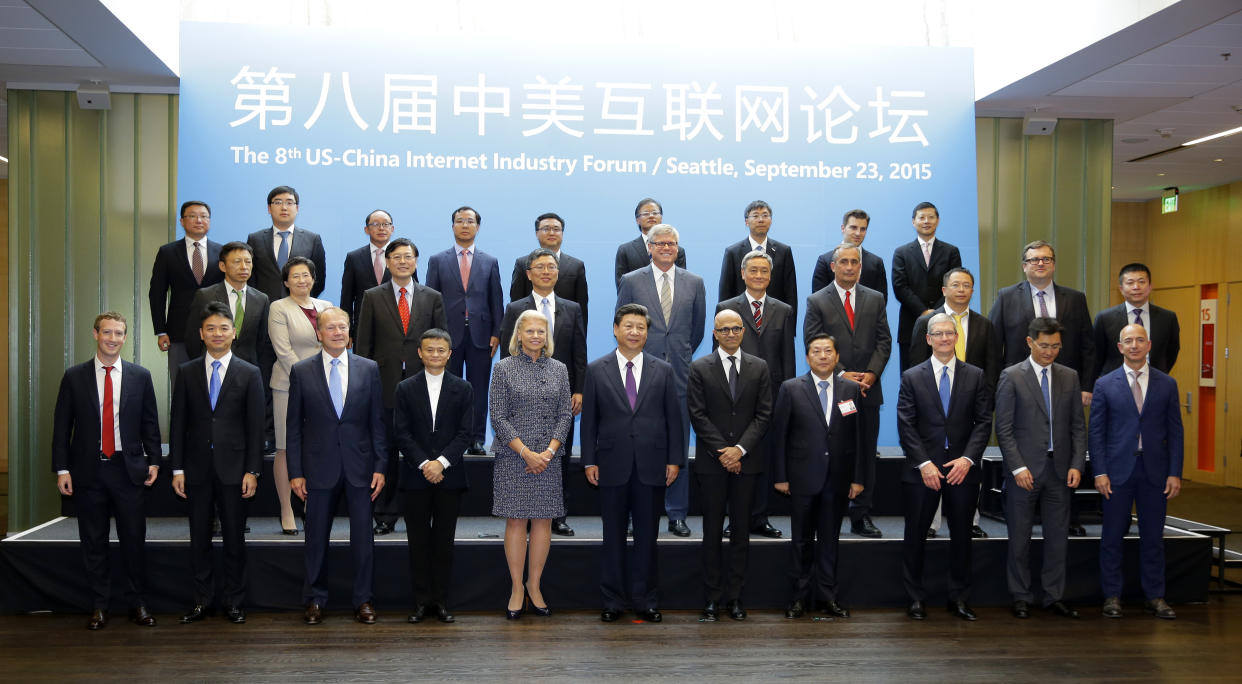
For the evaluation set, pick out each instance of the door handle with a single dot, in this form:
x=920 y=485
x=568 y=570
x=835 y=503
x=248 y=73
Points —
x=1187 y=404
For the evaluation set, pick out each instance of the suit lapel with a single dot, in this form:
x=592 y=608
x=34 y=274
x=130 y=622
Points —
x=722 y=379
x=614 y=380
x=812 y=393
x=1032 y=383
x=839 y=307
x=390 y=303
x=928 y=371
x=1061 y=298
x=226 y=383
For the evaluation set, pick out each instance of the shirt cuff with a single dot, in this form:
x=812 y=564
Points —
x=178 y=472
x=1018 y=470
x=62 y=472
x=444 y=462
x=920 y=466
x=741 y=448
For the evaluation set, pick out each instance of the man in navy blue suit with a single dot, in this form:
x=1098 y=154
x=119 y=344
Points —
x=469 y=281
x=632 y=450
x=337 y=443
x=181 y=268
x=1135 y=438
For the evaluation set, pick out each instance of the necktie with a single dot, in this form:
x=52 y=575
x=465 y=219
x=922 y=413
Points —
x=107 y=419
x=959 y=349
x=733 y=376
x=196 y=263
x=849 y=309
x=213 y=388
x=823 y=398
x=547 y=313
x=378 y=265
x=465 y=269
x=1043 y=386
x=282 y=253
x=334 y=387
x=944 y=398
x=666 y=298
x=239 y=314
x=1138 y=316
x=926 y=254
x=758 y=314
x=1138 y=400
x=1043 y=306
x=403 y=309
x=631 y=387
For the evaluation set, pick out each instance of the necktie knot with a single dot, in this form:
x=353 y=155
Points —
x=215 y=365
x=402 y=291
x=108 y=369
x=336 y=362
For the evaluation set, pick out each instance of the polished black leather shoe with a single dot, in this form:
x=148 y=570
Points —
x=313 y=614
x=419 y=614
x=235 y=615
x=766 y=530
x=629 y=529
x=1112 y=607
x=652 y=615
x=383 y=528
x=562 y=528
x=477 y=449
x=735 y=610
x=932 y=534
x=141 y=617
x=269 y=447
x=1077 y=530
x=609 y=615
x=917 y=611
x=1020 y=610
x=977 y=532
x=711 y=612
x=1160 y=608
x=678 y=527
x=727 y=533
x=541 y=611
x=795 y=610
x=961 y=610
x=98 y=620
x=1059 y=608
x=835 y=610
x=443 y=615
x=197 y=613
x=365 y=613
x=865 y=528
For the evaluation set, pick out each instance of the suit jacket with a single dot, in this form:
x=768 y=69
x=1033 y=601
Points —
x=322 y=446
x=266 y=274
x=571 y=283
x=864 y=348
x=923 y=426
x=873 y=274
x=172 y=273
x=1022 y=421
x=1014 y=311
x=568 y=335
x=1116 y=423
x=418 y=439
x=784 y=284
x=358 y=276
x=76 y=423
x=775 y=343
x=983 y=346
x=1164 y=332
x=626 y=442
x=227 y=441
x=380 y=337
x=808 y=453
x=720 y=420
x=671 y=341
x=633 y=255
x=483 y=299
x=292 y=336
x=917 y=285
x=252 y=344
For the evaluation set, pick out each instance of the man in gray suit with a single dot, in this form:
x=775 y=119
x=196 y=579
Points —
x=1043 y=440
x=678 y=305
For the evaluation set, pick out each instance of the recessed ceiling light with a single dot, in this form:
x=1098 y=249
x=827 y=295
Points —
x=1218 y=160
x=1159 y=174
x=1133 y=141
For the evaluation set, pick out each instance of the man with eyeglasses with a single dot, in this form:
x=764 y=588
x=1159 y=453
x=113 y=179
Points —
x=729 y=395
x=181 y=268
x=635 y=254
x=366 y=267
x=273 y=246
x=571 y=281
x=783 y=282
x=918 y=270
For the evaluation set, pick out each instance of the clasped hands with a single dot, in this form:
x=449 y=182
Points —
x=958 y=468
x=536 y=462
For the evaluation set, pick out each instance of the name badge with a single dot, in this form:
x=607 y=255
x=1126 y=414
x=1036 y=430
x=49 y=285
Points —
x=847 y=407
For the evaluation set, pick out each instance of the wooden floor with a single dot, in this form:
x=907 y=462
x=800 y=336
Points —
x=1203 y=644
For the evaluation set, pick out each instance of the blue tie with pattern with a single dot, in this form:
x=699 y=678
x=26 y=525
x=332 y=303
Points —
x=213 y=390
x=1043 y=385
x=944 y=399
x=334 y=387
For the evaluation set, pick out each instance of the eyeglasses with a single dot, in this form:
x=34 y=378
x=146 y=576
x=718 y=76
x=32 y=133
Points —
x=1044 y=346
x=544 y=268
x=549 y=229
x=731 y=330
x=197 y=217
x=465 y=222
x=649 y=214
x=662 y=244
x=385 y=224
x=960 y=286
x=943 y=333
x=283 y=203
x=760 y=216
x=402 y=258
x=1040 y=260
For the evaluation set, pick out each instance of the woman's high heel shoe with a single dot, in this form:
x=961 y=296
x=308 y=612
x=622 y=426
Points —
x=515 y=614
x=541 y=612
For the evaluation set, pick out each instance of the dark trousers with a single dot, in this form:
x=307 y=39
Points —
x=320 y=507
x=112 y=494
x=1053 y=499
x=718 y=490
x=816 y=523
x=478 y=363
x=758 y=501
x=634 y=583
x=388 y=505
x=1151 y=508
x=677 y=495
x=869 y=426
x=569 y=448
x=959 y=510
x=430 y=526
x=207 y=500
x=177 y=355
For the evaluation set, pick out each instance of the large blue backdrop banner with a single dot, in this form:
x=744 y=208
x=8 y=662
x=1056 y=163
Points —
x=357 y=121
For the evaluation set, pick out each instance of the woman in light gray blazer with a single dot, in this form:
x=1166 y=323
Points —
x=291 y=324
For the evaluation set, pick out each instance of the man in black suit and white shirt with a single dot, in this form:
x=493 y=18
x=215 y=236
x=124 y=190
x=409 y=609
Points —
x=366 y=267
x=181 y=268
x=783 y=283
x=105 y=451
x=273 y=246
x=248 y=307
x=635 y=254
x=571 y=282
x=1161 y=325
x=854 y=230
x=918 y=273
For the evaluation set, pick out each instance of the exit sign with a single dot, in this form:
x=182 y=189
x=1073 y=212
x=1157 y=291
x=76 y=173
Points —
x=1168 y=204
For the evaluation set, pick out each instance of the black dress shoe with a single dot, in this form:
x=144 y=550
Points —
x=977 y=532
x=931 y=533
x=139 y=616
x=215 y=528
x=443 y=615
x=678 y=527
x=1021 y=610
x=917 y=611
x=652 y=615
x=795 y=610
x=383 y=528
x=629 y=529
x=98 y=620
x=1076 y=530
x=477 y=449
x=609 y=615
x=835 y=610
x=1112 y=607
x=735 y=610
x=196 y=614
x=562 y=528
x=961 y=610
x=420 y=612
x=727 y=533
x=313 y=614
x=1059 y=608
x=269 y=447
x=766 y=530
x=1160 y=608
x=235 y=615
x=711 y=612
x=864 y=528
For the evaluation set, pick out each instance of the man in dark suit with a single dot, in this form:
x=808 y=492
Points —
x=854 y=316
x=854 y=231
x=215 y=444
x=1136 y=442
x=366 y=266
x=635 y=254
x=677 y=304
x=181 y=268
x=1164 y=333
x=105 y=451
x=337 y=444
x=393 y=318
x=817 y=451
x=1043 y=440
x=469 y=281
x=730 y=403
x=783 y=282
x=571 y=281
x=433 y=420
x=631 y=450
x=770 y=327
x=944 y=420
x=918 y=274
x=567 y=325
x=273 y=246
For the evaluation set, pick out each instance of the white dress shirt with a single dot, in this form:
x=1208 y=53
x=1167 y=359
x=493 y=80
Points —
x=817 y=380
x=116 y=399
x=189 y=251
x=638 y=368
x=1050 y=299
x=758 y=246
x=434 y=384
x=276 y=241
x=937 y=370
x=965 y=323
x=726 y=364
x=659 y=281
x=841 y=294
x=229 y=289
x=208 y=359
x=342 y=369
x=763 y=303
x=551 y=314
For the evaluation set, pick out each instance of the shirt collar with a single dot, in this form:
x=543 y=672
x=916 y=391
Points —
x=816 y=379
x=327 y=358
x=621 y=360
x=841 y=290
x=1145 y=370
x=931 y=242
x=1036 y=366
x=458 y=249
x=757 y=246
x=224 y=360
x=762 y=300
x=99 y=364
x=276 y=230
x=724 y=356
x=936 y=366
x=396 y=289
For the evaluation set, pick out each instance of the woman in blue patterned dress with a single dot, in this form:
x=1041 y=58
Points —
x=529 y=402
